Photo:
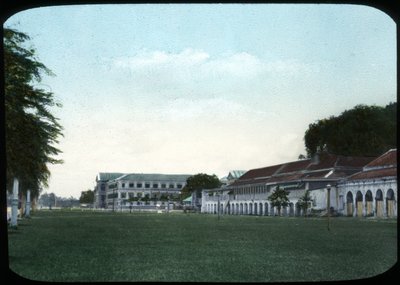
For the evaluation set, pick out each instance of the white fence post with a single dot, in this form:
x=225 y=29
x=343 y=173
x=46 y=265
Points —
x=14 y=203
x=28 y=204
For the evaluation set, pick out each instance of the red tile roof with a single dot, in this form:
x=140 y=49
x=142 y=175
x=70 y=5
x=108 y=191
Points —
x=260 y=172
x=316 y=174
x=295 y=166
x=386 y=159
x=376 y=173
x=289 y=177
x=383 y=166
x=305 y=169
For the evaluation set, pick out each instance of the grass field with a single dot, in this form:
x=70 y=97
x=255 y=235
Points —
x=94 y=246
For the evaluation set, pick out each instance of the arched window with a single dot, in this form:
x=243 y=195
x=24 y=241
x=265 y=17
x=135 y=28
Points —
x=379 y=203
x=349 y=204
x=390 y=203
x=359 y=203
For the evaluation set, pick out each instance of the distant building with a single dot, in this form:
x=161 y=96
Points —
x=101 y=187
x=232 y=176
x=139 y=189
x=248 y=195
x=372 y=191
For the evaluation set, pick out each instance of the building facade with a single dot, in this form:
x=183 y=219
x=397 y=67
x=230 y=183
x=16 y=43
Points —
x=373 y=191
x=101 y=188
x=249 y=194
x=138 y=189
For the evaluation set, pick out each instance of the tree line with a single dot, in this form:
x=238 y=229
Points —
x=51 y=200
x=361 y=131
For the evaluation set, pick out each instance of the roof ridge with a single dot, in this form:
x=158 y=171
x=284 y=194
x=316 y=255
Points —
x=152 y=175
x=279 y=169
x=380 y=157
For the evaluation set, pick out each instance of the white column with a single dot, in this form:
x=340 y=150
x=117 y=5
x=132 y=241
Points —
x=28 y=204
x=373 y=203
x=14 y=203
x=337 y=199
x=364 y=206
x=385 y=214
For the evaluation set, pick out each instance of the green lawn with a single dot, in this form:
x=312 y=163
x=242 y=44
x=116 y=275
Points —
x=94 y=246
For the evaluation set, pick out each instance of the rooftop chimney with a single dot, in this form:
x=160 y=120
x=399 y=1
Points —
x=315 y=158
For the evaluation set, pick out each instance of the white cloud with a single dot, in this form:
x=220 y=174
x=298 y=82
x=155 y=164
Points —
x=239 y=64
x=199 y=65
x=150 y=59
x=193 y=74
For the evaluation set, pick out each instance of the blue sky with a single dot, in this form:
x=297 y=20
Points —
x=190 y=88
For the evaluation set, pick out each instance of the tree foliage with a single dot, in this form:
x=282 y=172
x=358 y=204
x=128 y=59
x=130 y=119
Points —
x=279 y=198
x=305 y=201
x=50 y=200
x=31 y=130
x=361 y=131
x=301 y=157
x=198 y=182
x=87 y=197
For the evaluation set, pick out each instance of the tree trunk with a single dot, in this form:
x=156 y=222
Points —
x=33 y=204
x=22 y=201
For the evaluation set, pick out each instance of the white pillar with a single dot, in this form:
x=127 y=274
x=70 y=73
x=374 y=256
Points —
x=337 y=198
x=14 y=203
x=364 y=208
x=28 y=204
x=374 y=204
x=385 y=213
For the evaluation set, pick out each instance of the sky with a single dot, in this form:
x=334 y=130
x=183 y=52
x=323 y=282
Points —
x=202 y=88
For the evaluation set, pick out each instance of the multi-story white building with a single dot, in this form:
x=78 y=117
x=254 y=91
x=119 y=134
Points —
x=138 y=189
x=249 y=194
x=101 y=188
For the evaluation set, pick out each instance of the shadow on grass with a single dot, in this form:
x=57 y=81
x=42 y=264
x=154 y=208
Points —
x=17 y=229
x=13 y=231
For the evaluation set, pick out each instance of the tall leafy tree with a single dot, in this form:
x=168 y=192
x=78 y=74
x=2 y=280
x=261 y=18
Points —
x=361 y=131
x=31 y=130
x=279 y=198
x=87 y=197
x=48 y=199
x=198 y=182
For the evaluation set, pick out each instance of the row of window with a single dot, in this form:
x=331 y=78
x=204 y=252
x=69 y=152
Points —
x=148 y=185
x=125 y=195
x=251 y=190
x=245 y=190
